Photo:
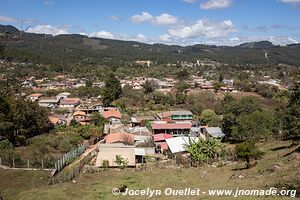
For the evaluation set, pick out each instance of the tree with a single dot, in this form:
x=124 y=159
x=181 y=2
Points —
x=247 y=150
x=253 y=126
x=74 y=123
x=24 y=120
x=120 y=103
x=181 y=86
x=210 y=118
x=203 y=150
x=291 y=117
x=105 y=164
x=149 y=87
x=88 y=83
x=217 y=86
x=97 y=119
x=183 y=74
x=121 y=162
x=266 y=91
x=233 y=109
x=112 y=90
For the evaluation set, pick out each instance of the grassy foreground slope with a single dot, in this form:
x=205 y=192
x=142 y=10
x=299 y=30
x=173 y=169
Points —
x=273 y=170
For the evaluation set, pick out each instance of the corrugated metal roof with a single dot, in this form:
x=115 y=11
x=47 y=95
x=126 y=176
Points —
x=181 y=112
x=215 y=132
x=178 y=144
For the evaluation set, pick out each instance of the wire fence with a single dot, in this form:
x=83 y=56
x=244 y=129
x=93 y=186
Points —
x=68 y=157
x=9 y=160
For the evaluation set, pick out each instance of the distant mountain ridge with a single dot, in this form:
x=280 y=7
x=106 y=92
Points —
x=70 y=49
x=8 y=29
x=259 y=44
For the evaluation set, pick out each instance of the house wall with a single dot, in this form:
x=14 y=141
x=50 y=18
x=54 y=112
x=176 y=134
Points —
x=172 y=131
x=110 y=155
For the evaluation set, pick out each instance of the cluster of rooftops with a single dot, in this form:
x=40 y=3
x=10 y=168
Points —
x=163 y=133
x=167 y=133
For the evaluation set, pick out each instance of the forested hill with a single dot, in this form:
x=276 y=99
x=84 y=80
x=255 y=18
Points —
x=67 y=50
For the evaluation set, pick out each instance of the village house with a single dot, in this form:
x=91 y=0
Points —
x=98 y=84
x=124 y=138
x=175 y=129
x=69 y=103
x=160 y=142
x=63 y=95
x=108 y=153
x=179 y=144
x=141 y=120
x=177 y=115
x=34 y=97
x=144 y=62
x=141 y=152
x=49 y=103
x=165 y=84
x=228 y=82
x=81 y=117
x=137 y=130
x=26 y=84
x=113 y=115
x=214 y=132
x=57 y=120
x=207 y=86
x=90 y=109
x=227 y=89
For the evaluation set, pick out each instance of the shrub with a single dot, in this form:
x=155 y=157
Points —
x=247 y=150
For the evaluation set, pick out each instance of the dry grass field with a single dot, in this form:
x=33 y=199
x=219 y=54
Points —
x=273 y=170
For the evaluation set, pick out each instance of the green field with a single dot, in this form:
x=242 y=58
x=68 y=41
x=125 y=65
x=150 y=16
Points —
x=273 y=170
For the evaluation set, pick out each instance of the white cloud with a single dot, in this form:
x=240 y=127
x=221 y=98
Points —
x=48 y=2
x=83 y=33
x=276 y=40
x=108 y=35
x=165 y=38
x=215 y=4
x=204 y=28
x=145 y=16
x=7 y=19
x=114 y=18
x=103 y=34
x=48 y=29
x=189 y=1
x=163 y=19
x=290 y=1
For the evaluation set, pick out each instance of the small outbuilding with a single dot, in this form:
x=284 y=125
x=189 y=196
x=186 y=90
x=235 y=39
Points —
x=108 y=153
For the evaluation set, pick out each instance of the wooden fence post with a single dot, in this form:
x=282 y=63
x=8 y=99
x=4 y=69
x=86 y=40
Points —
x=13 y=162
x=42 y=164
x=28 y=163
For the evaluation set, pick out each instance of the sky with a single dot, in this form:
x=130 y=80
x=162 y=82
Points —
x=182 y=22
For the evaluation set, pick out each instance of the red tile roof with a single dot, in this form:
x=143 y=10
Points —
x=171 y=126
x=112 y=113
x=119 y=137
x=161 y=137
x=35 y=95
x=163 y=145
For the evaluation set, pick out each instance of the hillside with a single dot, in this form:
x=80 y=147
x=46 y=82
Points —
x=67 y=50
x=273 y=170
